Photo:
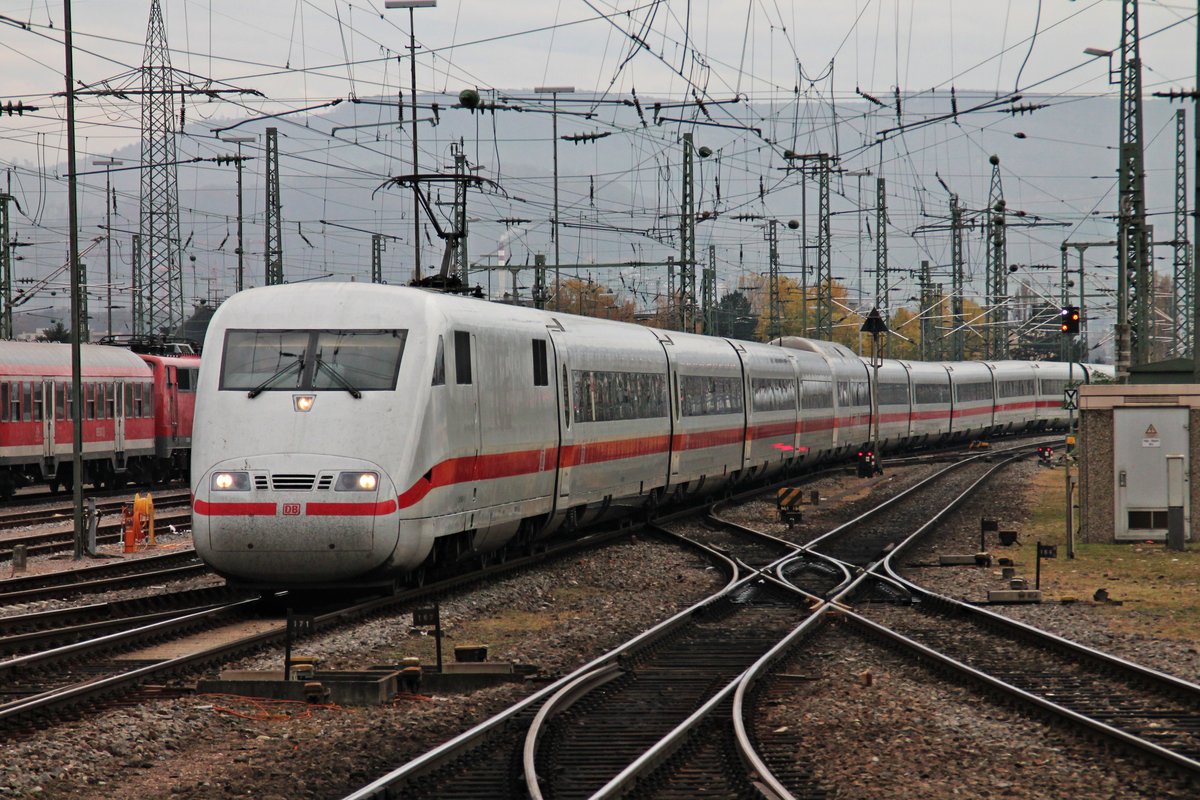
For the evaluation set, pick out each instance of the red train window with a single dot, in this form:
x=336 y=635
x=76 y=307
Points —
x=148 y=399
x=26 y=401
x=89 y=401
x=60 y=400
x=38 y=397
x=3 y=402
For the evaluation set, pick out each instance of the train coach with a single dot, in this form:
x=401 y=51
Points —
x=355 y=434
x=136 y=419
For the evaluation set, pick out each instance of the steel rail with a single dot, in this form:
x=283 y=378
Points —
x=431 y=759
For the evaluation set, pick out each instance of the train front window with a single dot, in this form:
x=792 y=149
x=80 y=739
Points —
x=256 y=361
x=357 y=360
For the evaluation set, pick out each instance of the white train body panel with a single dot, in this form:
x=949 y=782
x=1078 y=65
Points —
x=616 y=442
x=894 y=395
x=709 y=399
x=931 y=402
x=973 y=398
x=477 y=423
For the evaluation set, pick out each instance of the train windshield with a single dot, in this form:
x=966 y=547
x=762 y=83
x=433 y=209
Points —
x=287 y=360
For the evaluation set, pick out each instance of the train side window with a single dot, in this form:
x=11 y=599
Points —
x=39 y=392
x=89 y=400
x=3 y=402
x=26 y=401
x=129 y=406
x=67 y=402
x=462 y=357
x=186 y=379
x=439 y=364
x=147 y=400
x=60 y=401
x=110 y=401
x=98 y=392
x=541 y=374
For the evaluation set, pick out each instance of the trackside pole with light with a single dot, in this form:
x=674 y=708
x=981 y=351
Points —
x=1069 y=319
x=868 y=464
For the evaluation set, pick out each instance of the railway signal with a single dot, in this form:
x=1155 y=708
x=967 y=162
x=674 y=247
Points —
x=1069 y=319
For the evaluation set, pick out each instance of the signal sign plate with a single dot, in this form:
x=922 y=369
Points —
x=1071 y=399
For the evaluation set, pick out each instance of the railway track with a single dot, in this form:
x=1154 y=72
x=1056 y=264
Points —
x=49 y=684
x=11 y=517
x=101 y=577
x=645 y=718
x=1153 y=714
x=108 y=531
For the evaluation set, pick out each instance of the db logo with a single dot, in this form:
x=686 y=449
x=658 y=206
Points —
x=291 y=509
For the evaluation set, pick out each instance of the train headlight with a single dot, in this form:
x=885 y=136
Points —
x=356 y=482
x=303 y=402
x=231 y=482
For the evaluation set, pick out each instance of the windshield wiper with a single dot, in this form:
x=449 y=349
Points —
x=337 y=377
x=284 y=370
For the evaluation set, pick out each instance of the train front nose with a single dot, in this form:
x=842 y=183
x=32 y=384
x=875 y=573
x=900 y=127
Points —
x=295 y=519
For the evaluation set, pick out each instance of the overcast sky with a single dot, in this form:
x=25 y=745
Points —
x=298 y=51
x=303 y=54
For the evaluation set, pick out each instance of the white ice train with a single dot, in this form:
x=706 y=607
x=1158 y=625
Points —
x=355 y=434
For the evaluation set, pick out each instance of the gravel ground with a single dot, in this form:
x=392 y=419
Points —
x=1080 y=622
x=215 y=747
x=911 y=734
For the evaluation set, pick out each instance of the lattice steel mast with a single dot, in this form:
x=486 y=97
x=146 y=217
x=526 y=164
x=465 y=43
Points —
x=824 y=277
x=956 y=280
x=273 y=215
x=161 y=277
x=774 y=301
x=1133 y=254
x=881 y=252
x=687 y=241
x=1181 y=316
x=997 y=267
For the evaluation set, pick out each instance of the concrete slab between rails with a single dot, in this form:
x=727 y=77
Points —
x=463 y=677
x=344 y=687
x=1015 y=596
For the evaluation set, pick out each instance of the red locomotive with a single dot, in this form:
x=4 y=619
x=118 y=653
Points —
x=137 y=415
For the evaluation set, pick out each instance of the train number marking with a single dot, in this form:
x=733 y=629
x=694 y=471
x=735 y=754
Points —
x=291 y=509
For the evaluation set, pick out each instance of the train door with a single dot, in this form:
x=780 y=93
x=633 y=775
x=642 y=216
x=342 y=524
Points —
x=561 y=373
x=118 y=420
x=746 y=405
x=46 y=415
x=172 y=408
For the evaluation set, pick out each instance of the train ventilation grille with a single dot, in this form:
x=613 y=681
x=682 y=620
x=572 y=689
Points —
x=325 y=482
x=260 y=482
x=293 y=483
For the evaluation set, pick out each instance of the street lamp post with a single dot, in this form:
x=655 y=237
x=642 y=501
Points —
x=412 y=5
x=239 y=141
x=554 y=92
x=108 y=163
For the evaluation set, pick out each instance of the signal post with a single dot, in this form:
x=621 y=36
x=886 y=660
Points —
x=1069 y=319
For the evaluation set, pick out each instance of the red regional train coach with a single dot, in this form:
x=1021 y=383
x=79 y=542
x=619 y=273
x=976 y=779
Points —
x=35 y=414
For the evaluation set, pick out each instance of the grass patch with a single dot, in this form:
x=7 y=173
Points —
x=1159 y=589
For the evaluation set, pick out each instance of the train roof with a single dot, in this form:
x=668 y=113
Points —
x=50 y=358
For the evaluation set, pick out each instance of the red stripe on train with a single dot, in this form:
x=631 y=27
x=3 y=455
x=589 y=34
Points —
x=234 y=509
x=380 y=509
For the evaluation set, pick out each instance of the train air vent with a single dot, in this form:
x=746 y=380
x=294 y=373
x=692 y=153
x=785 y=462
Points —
x=260 y=482
x=325 y=482
x=292 y=483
